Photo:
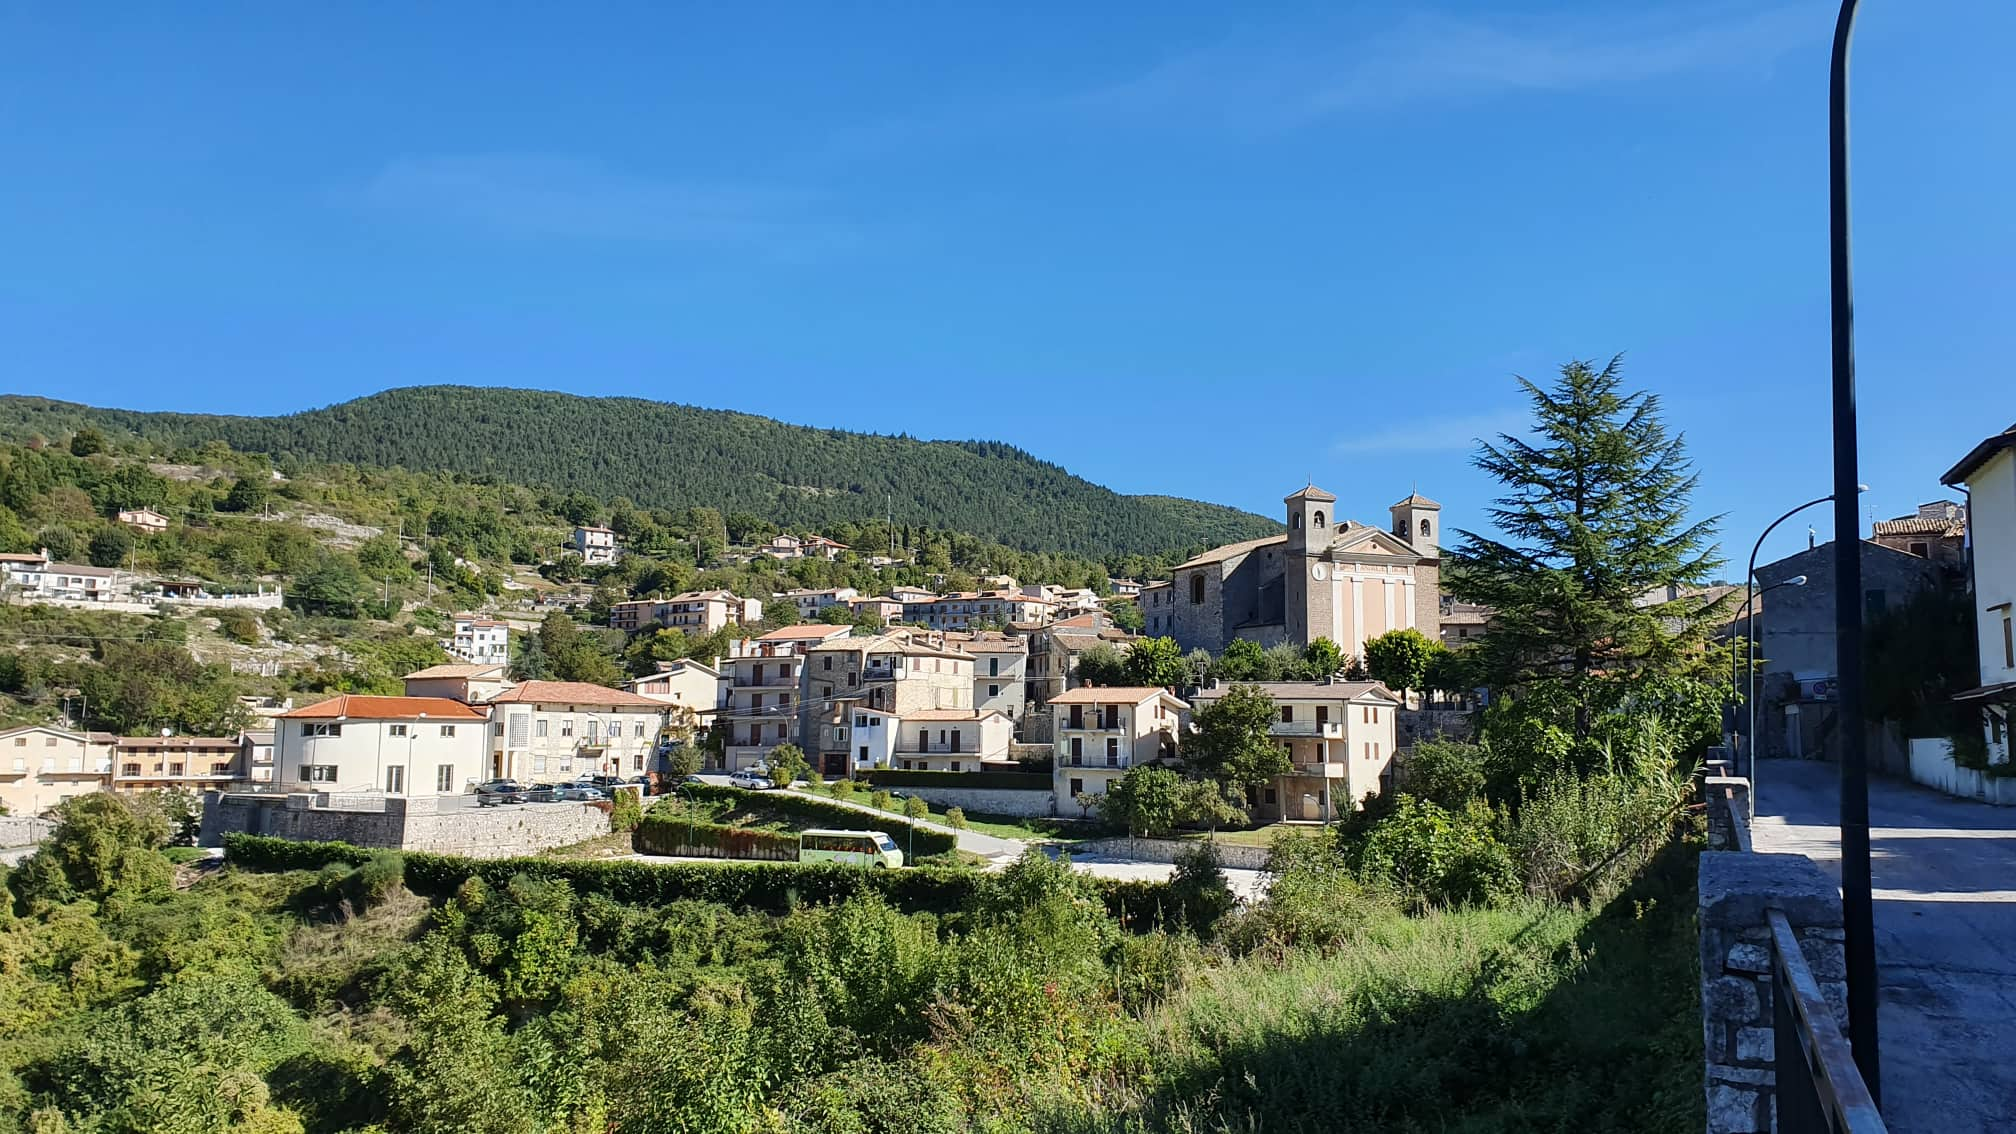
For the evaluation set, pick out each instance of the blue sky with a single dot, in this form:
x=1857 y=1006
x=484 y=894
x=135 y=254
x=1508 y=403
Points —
x=1175 y=247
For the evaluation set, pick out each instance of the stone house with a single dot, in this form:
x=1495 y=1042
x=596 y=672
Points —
x=1937 y=531
x=763 y=709
x=1796 y=708
x=394 y=745
x=41 y=766
x=595 y=545
x=898 y=673
x=1103 y=731
x=1341 y=738
x=1323 y=578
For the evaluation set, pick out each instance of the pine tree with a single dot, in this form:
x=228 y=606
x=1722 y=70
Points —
x=1595 y=526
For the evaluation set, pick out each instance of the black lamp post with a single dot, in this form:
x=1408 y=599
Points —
x=1857 y=908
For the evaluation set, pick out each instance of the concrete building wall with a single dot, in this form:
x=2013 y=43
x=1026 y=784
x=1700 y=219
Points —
x=1992 y=525
x=362 y=753
x=42 y=767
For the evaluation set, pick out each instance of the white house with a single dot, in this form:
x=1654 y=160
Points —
x=1339 y=735
x=396 y=745
x=145 y=520
x=1102 y=732
x=594 y=545
x=543 y=730
x=696 y=685
x=480 y=641
x=1989 y=474
x=951 y=740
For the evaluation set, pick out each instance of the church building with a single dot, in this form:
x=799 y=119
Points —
x=1323 y=578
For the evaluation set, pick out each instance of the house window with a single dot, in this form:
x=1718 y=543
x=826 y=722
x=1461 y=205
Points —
x=864 y=754
x=1322 y=714
x=321 y=729
x=124 y=769
x=567 y=725
x=993 y=690
x=1112 y=751
x=447 y=730
x=1077 y=788
x=826 y=662
x=319 y=773
x=637 y=731
x=993 y=667
x=539 y=728
x=49 y=742
x=1287 y=714
x=1197 y=589
x=1077 y=749
x=444 y=777
x=395 y=780
x=1920 y=550
x=955 y=765
x=1273 y=797
x=1295 y=521
x=20 y=742
x=396 y=730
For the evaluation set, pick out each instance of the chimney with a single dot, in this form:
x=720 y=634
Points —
x=1810 y=537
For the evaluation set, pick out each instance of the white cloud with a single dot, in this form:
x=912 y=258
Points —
x=1278 y=81
x=557 y=196
x=1433 y=434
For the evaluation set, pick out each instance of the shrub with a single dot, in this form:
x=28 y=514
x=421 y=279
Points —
x=843 y=789
x=914 y=808
x=626 y=809
x=880 y=799
x=806 y=812
x=1313 y=900
x=672 y=834
x=1435 y=857
x=1446 y=773
x=1199 y=888
x=1570 y=829
x=267 y=853
x=955 y=817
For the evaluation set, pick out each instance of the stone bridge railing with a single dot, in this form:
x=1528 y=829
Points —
x=1774 y=994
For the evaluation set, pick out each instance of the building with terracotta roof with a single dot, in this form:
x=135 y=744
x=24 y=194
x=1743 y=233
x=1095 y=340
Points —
x=900 y=672
x=809 y=603
x=396 y=745
x=457 y=681
x=1325 y=577
x=556 y=730
x=1340 y=737
x=189 y=763
x=1054 y=651
x=144 y=520
x=763 y=708
x=41 y=766
x=965 y=609
x=695 y=612
x=1937 y=531
x=1103 y=731
x=788 y=546
x=951 y=740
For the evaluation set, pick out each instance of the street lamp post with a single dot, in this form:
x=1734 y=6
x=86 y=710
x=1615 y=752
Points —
x=1749 y=593
x=1857 y=906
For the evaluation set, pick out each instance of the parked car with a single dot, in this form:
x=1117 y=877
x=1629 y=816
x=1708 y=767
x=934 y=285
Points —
x=578 y=793
x=750 y=781
x=490 y=793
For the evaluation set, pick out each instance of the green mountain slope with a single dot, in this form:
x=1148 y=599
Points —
x=673 y=456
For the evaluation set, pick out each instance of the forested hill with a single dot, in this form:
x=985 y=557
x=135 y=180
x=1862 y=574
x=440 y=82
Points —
x=673 y=456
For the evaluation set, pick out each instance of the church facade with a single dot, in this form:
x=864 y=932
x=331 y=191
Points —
x=1323 y=578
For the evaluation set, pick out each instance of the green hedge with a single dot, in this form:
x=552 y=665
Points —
x=267 y=853
x=965 y=781
x=822 y=813
x=674 y=834
x=773 y=887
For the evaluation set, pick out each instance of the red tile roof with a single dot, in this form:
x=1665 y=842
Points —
x=1109 y=695
x=365 y=708
x=573 y=693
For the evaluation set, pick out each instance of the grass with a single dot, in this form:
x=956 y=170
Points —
x=1527 y=1017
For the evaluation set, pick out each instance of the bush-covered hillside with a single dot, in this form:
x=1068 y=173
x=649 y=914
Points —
x=663 y=455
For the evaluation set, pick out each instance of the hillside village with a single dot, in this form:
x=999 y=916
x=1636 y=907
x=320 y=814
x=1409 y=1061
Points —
x=643 y=645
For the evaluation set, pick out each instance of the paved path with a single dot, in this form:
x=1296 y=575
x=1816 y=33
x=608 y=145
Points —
x=1944 y=874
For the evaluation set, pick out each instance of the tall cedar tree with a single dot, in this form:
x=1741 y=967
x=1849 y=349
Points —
x=1595 y=526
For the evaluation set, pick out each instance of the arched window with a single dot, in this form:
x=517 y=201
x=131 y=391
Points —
x=1424 y=528
x=1197 y=589
x=1295 y=521
x=1319 y=517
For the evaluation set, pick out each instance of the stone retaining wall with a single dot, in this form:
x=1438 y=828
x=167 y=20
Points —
x=416 y=823
x=1234 y=855
x=24 y=830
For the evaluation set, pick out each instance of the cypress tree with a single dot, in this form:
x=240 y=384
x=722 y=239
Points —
x=1594 y=528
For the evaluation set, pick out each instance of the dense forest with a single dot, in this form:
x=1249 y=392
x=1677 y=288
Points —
x=662 y=455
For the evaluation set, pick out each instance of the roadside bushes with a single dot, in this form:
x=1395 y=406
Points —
x=364 y=884
x=1576 y=835
x=626 y=809
x=1435 y=857
x=267 y=853
x=663 y=833
x=803 y=811
x=1009 y=781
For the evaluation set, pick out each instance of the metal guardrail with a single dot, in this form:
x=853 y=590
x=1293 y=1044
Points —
x=1819 y=1089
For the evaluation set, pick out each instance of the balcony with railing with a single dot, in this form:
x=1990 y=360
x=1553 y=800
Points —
x=1329 y=730
x=767 y=681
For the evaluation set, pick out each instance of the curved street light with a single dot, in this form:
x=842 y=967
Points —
x=1751 y=632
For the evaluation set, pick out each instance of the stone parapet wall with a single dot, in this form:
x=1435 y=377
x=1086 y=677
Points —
x=24 y=831
x=416 y=823
x=1165 y=850
x=1736 y=891
x=989 y=801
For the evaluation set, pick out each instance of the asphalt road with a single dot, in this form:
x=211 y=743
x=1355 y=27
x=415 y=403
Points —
x=1944 y=873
